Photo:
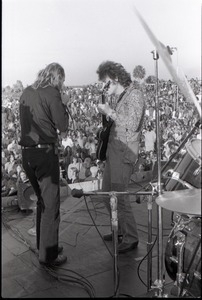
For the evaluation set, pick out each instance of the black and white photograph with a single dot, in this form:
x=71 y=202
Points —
x=101 y=149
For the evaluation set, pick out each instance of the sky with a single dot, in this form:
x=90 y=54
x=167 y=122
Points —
x=81 y=34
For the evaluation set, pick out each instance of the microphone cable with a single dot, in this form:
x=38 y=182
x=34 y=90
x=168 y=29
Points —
x=118 y=271
x=138 y=269
x=96 y=225
x=15 y=233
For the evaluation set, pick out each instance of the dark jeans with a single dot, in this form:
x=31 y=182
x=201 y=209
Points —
x=42 y=169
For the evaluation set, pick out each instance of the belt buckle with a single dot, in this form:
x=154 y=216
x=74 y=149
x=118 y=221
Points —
x=41 y=146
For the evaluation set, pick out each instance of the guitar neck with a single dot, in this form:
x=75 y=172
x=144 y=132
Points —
x=104 y=120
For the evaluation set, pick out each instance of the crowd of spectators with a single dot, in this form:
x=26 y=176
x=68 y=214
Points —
x=78 y=149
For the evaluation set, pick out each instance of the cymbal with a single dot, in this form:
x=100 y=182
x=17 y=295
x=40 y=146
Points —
x=182 y=201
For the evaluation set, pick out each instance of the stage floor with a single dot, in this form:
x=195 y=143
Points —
x=89 y=271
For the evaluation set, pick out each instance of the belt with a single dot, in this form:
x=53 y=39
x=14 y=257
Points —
x=50 y=146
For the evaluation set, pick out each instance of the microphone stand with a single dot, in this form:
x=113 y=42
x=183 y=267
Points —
x=114 y=224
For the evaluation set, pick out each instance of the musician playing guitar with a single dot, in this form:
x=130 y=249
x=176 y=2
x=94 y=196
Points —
x=123 y=146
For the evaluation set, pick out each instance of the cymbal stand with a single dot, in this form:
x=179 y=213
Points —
x=159 y=281
x=150 y=198
x=150 y=243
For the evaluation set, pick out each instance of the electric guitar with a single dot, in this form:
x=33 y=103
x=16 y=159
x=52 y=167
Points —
x=103 y=132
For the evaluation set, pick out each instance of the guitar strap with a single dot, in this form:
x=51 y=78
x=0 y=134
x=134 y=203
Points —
x=121 y=96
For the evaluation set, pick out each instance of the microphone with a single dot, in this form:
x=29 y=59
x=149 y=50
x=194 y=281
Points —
x=155 y=54
x=114 y=217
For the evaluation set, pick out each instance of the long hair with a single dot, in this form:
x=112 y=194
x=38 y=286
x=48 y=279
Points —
x=114 y=71
x=53 y=75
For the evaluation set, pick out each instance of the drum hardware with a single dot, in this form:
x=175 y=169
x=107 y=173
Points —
x=180 y=224
x=188 y=93
x=150 y=242
x=190 y=280
x=176 y=176
x=182 y=256
x=192 y=131
x=179 y=260
x=159 y=282
x=197 y=275
x=197 y=171
x=187 y=169
x=187 y=172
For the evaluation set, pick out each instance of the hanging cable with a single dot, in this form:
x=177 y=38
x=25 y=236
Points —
x=138 y=269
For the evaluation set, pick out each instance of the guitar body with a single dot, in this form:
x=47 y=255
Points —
x=103 y=133
x=103 y=137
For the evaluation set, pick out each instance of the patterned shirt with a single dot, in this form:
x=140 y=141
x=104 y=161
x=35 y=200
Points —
x=129 y=113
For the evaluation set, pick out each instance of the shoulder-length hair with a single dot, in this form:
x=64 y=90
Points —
x=53 y=75
x=114 y=71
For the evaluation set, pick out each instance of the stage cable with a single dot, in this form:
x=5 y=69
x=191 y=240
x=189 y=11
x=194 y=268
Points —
x=19 y=237
x=138 y=269
x=117 y=287
x=96 y=226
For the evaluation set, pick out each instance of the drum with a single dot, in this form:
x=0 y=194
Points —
x=185 y=237
x=189 y=168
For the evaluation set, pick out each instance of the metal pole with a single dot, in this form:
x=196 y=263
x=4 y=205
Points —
x=177 y=85
x=159 y=281
x=158 y=142
x=149 y=243
x=177 y=96
x=114 y=224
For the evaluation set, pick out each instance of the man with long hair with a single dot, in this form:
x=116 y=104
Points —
x=42 y=116
x=123 y=146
